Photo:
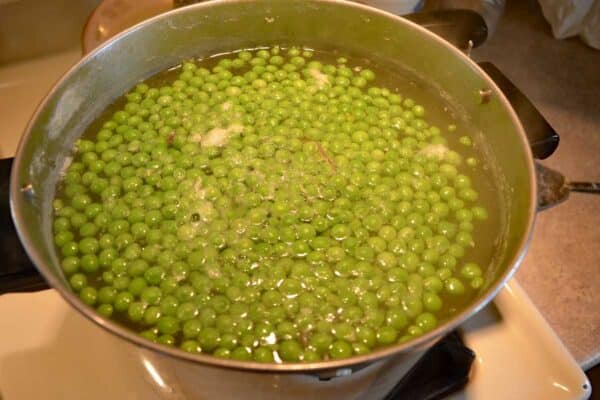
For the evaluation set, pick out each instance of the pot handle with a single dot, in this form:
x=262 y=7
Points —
x=442 y=370
x=17 y=274
x=463 y=28
x=554 y=188
x=466 y=29
x=543 y=139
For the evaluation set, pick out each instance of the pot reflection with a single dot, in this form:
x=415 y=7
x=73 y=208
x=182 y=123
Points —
x=177 y=379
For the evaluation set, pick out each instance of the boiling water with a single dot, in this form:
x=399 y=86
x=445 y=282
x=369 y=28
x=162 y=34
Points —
x=439 y=113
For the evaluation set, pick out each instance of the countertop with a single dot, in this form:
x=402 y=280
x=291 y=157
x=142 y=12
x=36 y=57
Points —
x=561 y=272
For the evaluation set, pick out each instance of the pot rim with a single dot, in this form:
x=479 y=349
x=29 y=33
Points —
x=345 y=364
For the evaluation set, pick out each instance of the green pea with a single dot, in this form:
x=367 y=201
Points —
x=106 y=310
x=343 y=331
x=466 y=226
x=263 y=354
x=88 y=295
x=387 y=335
x=454 y=203
x=69 y=249
x=151 y=295
x=412 y=306
x=78 y=281
x=456 y=250
x=477 y=282
x=374 y=318
x=321 y=341
x=447 y=261
x=167 y=340
x=191 y=346
x=168 y=325
x=290 y=350
x=187 y=311
x=387 y=233
x=89 y=263
x=192 y=328
x=340 y=232
x=454 y=286
x=464 y=215
x=377 y=244
x=228 y=340
x=222 y=352
x=426 y=321
x=122 y=301
x=340 y=349
x=387 y=260
x=444 y=273
x=136 y=311
x=62 y=238
x=70 y=265
x=418 y=110
x=151 y=315
x=106 y=257
x=121 y=282
x=373 y=222
x=209 y=339
x=367 y=336
x=409 y=261
x=88 y=229
x=80 y=201
x=468 y=194
x=367 y=74
x=470 y=271
x=396 y=318
x=430 y=255
x=431 y=301
x=359 y=348
x=479 y=213
x=364 y=253
x=462 y=181
x=107 y=295
x=154 y=275
x=137 y=285
x=61 y=224
x=464 y=239
x=241 y=353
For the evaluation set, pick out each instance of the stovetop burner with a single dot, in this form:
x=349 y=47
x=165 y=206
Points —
x=443 y=369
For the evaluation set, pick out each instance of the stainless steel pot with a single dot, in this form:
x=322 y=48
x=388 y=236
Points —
x=225 y=25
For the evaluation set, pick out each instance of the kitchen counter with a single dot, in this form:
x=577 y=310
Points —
x=561 y=272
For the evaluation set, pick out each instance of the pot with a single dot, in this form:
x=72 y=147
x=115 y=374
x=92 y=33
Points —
x=220 y=26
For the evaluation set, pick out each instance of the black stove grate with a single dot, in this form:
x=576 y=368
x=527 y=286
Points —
x=17 y=272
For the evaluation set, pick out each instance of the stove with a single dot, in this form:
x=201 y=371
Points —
x=506 y=351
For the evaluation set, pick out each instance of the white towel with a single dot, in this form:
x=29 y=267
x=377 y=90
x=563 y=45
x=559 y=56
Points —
x=574 y=17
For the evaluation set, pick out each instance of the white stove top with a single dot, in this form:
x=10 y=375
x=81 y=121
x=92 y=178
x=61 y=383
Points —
x=48 y=351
